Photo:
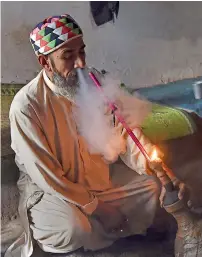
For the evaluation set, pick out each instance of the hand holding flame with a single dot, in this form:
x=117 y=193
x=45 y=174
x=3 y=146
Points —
x=161 y=170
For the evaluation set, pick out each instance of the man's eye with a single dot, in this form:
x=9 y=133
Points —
x=68 y=57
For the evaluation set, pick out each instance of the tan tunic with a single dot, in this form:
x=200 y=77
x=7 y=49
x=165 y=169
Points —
x=51 y=154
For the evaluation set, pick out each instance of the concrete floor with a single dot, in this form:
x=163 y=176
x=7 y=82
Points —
x=122 y=249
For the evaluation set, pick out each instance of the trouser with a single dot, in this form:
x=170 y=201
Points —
x=61 y=227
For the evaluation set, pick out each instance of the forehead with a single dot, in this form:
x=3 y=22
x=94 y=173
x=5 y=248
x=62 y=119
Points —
x=72 y=45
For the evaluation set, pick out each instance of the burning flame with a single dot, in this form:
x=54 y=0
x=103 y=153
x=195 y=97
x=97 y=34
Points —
x=154 y=156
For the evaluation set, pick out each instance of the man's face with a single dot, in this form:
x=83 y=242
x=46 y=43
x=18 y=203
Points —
x=64 y=62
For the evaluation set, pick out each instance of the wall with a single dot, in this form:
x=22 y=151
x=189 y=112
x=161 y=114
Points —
x=150 y=43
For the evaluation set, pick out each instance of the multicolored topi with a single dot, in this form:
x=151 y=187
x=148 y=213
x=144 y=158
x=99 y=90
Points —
x=53 y=32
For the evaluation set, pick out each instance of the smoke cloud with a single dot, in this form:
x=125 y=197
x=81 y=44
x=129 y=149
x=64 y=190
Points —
x=95 y=120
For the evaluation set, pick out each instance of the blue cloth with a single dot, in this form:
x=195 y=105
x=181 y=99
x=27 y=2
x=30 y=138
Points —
x=177 y=94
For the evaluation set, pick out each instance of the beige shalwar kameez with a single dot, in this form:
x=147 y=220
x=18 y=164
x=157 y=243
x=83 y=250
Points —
x=60 y=182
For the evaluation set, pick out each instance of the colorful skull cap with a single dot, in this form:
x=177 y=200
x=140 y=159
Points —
x=53 y=32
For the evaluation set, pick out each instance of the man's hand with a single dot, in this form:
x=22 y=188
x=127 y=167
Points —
x=134 y=110
x=110 y=217
x=183 y=192
x=116 y=144
x=178 y=185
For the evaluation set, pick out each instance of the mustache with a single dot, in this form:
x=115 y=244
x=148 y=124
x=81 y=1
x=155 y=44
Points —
x=71 y=75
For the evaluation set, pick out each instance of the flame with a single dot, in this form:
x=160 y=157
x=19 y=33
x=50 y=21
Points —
x=154 y=155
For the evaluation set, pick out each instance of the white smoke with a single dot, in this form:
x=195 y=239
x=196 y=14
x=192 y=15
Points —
x=94 y=118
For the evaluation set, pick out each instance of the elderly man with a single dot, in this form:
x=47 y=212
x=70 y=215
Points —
x=70 y=198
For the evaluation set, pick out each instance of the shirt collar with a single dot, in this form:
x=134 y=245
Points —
x=49 y=83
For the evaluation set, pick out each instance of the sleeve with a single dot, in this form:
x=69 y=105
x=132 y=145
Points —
x=132 y=156
x=41 y=165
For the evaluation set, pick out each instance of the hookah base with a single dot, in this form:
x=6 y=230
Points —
x=188 y=241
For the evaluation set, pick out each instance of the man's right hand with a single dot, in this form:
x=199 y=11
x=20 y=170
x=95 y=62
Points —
x=110 y=217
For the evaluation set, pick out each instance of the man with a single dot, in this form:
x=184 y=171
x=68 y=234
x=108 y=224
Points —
x=68 y=197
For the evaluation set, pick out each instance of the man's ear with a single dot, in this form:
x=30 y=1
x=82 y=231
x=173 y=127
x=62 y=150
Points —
x=45 y=62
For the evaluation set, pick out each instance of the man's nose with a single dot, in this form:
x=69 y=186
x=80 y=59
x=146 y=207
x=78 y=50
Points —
x=79 y=63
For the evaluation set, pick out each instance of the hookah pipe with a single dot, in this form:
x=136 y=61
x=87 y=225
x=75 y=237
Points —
x=160 y=170
x=188 y=241
x=120 y=118
x=155 y=164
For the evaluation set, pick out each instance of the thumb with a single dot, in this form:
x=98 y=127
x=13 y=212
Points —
x=182 y=190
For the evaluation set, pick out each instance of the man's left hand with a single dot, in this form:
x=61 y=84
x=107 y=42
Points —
x=182 y=194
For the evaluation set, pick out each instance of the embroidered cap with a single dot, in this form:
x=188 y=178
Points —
x=53 y=32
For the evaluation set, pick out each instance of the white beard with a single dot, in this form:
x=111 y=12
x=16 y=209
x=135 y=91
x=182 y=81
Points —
x=67 y=87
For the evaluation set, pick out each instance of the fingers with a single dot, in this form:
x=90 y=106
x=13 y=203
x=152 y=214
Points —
x=107 y=109
x=119 y=104
x=176 y=182
x=169 y=172
x=182 y=189
x=162 y=196
x=133 y=110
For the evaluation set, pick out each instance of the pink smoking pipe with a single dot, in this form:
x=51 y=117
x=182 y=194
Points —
x=120 y=118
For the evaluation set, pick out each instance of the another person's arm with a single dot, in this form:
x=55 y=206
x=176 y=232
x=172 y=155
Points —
x=133 y=157
x=134 y=111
